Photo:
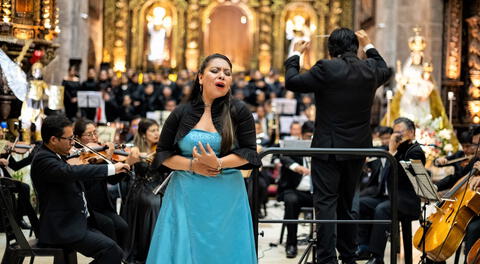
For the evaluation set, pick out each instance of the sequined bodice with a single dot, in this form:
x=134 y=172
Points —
x=187 y=143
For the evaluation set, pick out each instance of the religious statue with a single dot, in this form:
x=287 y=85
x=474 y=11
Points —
x=32 y=108
x=159 y=27
x=417 y=98
x=296 y=29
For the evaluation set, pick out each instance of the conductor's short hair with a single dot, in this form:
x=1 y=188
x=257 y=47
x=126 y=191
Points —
x=342 y=40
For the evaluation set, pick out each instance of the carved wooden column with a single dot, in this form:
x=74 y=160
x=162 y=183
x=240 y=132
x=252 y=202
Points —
x=278 y=53
x=265 y=47
x=120 y=36
x=108 y=34
x=474 y=67
x=452 y=64
x=192 y=52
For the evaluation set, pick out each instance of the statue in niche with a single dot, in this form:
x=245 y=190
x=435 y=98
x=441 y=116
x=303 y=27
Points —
x=159 y=27
x=297 y=29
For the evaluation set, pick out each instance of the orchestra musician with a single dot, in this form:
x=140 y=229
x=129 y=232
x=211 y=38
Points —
x=100 y=203
x=64 y=211
x=24 y=207
x=373 y=238
x=472 y=233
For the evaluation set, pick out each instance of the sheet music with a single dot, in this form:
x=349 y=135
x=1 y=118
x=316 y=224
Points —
x=89 y=99
x=421 y=182
x=159 y=116
x=295 y=143
x=418 y=167
x=286 y=121
x=285 y=106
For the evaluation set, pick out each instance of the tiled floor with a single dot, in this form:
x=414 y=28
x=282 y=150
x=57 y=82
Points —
x=269 y=252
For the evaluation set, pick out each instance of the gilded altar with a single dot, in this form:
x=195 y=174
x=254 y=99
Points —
x=255 y=34
x=27 y=30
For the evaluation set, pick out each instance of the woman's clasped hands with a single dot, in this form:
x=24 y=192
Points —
x=205 y=162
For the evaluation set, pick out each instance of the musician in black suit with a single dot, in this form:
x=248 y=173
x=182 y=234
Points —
x=472 y=233
x=63 y=208
x=96 y=191
x=377 y=165
x=294 y=188
x=24 y=207
x=373 y=238
x=344 y=89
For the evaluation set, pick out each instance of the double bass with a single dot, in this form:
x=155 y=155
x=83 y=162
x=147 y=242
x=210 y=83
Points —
x=446 y=227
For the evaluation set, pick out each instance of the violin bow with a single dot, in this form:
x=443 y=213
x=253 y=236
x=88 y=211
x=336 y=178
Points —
x=13 y=146
x=93 y=151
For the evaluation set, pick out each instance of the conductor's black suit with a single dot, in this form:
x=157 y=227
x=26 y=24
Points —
x=344 y=89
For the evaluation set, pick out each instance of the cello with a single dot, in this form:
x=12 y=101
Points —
x=446 y=227
x=473 y=256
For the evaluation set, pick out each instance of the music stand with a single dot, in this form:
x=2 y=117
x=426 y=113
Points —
x=425 y=189
x=89 y=99
x=284 y=106
x=312 y=241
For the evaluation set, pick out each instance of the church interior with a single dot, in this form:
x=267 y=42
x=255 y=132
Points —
x=116 y=62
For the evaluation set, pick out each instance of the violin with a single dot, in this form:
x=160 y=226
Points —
x=93 y=154
x=16 y=147
x=119 y=154
x=473 y=256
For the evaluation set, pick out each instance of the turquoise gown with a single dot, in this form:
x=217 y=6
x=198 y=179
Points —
x=203 y=220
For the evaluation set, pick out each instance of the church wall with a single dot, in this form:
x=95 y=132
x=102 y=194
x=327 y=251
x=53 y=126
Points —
x=72 y=40
x=394 y=22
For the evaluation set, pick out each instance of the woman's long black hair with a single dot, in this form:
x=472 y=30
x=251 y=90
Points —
x=228 y=133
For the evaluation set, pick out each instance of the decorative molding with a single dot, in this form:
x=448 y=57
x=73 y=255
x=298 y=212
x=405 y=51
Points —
x=474 y=46
x=120 y=36
x=335 y=15
x=265 y=36
x=192 y=53
x=317 y=11
x=108 y=34
x=453 y=39
x=127 y=41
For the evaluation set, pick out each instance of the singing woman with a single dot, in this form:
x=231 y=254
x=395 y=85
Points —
x=205 y=215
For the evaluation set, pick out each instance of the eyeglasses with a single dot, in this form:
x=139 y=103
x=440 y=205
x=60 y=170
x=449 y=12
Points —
x=91 y=134
x=69 y=138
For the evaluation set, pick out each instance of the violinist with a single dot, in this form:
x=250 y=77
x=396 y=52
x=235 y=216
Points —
x=22 y=189
x=96 y=191
x=64 y=211
x=472 y=232
x=142 y=206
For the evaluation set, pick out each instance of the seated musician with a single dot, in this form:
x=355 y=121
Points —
x=376 y=166
x=294 y=188
x=101 y=207
x=63 y=208
x=472 y=233
x=24 y=206
x=373 y=238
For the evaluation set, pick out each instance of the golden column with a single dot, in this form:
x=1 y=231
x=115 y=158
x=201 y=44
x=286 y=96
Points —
x=192 y=53
x=265 y=49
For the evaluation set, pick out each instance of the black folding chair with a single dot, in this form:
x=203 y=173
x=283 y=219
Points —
x=17 y=246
